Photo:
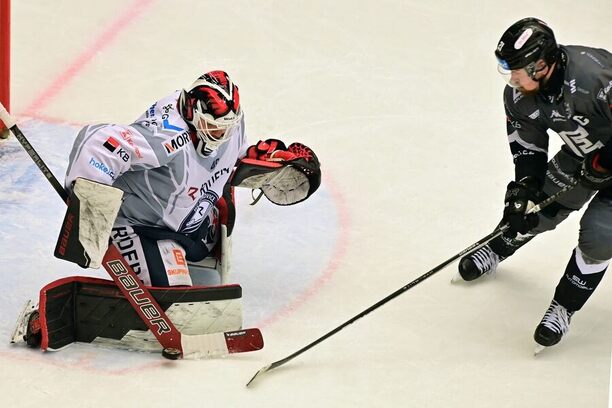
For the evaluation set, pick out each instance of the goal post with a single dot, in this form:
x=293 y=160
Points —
x=5 y=59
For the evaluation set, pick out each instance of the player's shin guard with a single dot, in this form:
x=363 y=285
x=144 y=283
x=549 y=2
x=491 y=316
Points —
x=581 y=277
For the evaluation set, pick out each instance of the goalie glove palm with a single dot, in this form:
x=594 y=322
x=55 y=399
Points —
x=285 y=175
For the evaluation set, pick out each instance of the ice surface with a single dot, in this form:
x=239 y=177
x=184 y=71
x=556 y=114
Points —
x=402 y=103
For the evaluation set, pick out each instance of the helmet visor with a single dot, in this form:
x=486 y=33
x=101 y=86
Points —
x=513 y=77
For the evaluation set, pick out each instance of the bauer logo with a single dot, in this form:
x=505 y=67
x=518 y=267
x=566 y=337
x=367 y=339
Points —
x=177 y=143
x=235 y=333
x=140 y=300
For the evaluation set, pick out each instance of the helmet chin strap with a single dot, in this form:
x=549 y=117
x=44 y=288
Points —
x=551 y=84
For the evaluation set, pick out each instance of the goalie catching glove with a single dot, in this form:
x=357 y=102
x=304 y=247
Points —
x=285 y=175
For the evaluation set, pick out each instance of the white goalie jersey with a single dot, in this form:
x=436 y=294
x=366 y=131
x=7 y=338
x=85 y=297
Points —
x=153 y=161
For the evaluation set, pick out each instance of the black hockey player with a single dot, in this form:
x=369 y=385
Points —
x=565 y=89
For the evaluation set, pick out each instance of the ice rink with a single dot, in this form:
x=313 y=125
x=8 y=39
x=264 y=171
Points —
x=401 y=101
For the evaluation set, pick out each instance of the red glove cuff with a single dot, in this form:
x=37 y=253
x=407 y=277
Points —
x=275 y=150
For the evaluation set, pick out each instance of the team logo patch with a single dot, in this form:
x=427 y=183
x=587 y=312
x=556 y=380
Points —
x=111 y=144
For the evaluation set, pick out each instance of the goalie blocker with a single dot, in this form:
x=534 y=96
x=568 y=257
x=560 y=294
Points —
x=285 y=175
x=91 y=213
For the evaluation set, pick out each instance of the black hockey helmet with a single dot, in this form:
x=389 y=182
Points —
x=525 y=42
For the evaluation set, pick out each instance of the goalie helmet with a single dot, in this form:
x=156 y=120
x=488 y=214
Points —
x=211 y=108
x=524 y=43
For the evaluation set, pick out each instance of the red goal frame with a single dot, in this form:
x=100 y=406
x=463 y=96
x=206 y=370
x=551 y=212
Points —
x=5 y=53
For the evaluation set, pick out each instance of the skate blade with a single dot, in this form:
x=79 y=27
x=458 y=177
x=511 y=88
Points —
x=456 y=278
x=538 y=349
x=21 y=325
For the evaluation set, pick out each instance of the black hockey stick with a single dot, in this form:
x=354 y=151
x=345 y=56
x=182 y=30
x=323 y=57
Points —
x=10 y=124
x=499 y=231
x=174 y=343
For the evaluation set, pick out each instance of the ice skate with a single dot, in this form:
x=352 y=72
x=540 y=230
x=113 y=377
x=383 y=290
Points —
x=553 y=326
x=480 y=262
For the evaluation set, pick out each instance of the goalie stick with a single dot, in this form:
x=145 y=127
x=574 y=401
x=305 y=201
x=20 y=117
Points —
x=498 y=231
x=174 y=343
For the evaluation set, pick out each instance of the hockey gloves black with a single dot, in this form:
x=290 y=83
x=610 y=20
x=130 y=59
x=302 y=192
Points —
x=594 y=174
x=520 y=197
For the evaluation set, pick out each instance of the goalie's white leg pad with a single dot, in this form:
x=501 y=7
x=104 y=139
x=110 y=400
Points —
x=90 y=310
x=21 y=326
x=189 y=319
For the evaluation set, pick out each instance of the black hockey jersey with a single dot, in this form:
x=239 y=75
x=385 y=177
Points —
x=579 y=111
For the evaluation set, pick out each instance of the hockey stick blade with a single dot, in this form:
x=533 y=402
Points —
x=221 y=344
x=271 y=367
x=261 y=371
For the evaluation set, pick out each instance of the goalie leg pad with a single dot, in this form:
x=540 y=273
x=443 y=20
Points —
x=91 y=310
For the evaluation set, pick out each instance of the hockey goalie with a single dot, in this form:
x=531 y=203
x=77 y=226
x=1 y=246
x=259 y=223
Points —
x=160 y=192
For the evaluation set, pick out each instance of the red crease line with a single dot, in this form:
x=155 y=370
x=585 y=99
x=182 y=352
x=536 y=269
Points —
x=104 y=40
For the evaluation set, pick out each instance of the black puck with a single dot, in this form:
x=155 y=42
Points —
x=171 y=353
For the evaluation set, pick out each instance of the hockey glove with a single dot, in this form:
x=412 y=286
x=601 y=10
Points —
x=285 y=175
x=519 y=199
x=592 y=174
x=270 y=150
